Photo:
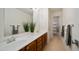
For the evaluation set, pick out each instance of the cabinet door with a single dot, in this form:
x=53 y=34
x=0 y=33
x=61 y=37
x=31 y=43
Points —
x=44 y=37
x=39 y=44
x=43 y=41
x=31 y=46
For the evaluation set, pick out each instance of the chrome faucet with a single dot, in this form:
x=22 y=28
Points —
x=15 y=29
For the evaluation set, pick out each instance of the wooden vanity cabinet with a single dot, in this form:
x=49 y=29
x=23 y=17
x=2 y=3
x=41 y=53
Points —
x=44 y=39
x=36 y=45
x=39 y=42
x=31 y=46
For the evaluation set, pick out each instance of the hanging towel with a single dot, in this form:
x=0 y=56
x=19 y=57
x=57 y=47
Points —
x=62 y=32
x=68 y=35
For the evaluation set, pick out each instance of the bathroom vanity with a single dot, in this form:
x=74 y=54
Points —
x=26 y=42
x=36 y=45
x=12 y=34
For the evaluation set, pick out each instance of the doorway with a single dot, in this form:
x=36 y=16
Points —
x=55 y=22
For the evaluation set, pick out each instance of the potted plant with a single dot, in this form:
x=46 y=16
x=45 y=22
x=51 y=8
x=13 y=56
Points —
x=26 y=27
x=32 y=27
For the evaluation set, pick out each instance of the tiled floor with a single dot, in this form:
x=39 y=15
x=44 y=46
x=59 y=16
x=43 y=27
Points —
x=56 y=44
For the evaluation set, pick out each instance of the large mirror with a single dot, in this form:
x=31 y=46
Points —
x=15 y=19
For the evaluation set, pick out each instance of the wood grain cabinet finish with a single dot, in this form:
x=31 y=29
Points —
x=39 y=44
x=36 y=45
x=31 y=46
x=44 y=39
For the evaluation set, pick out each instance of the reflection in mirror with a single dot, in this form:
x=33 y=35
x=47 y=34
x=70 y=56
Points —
x=1 y=25
x=14 y=18
x=36 y=18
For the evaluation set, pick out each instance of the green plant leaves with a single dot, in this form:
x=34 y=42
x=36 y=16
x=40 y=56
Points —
x=32 y=27
x=26 y=27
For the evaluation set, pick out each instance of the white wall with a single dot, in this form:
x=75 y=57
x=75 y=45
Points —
x=1 y=24
x=14 y=17
x=44 y=19
x=70 y=17
x=40 y=16
x=76 y=24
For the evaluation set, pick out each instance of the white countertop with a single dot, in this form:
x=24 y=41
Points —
x=21 y=41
